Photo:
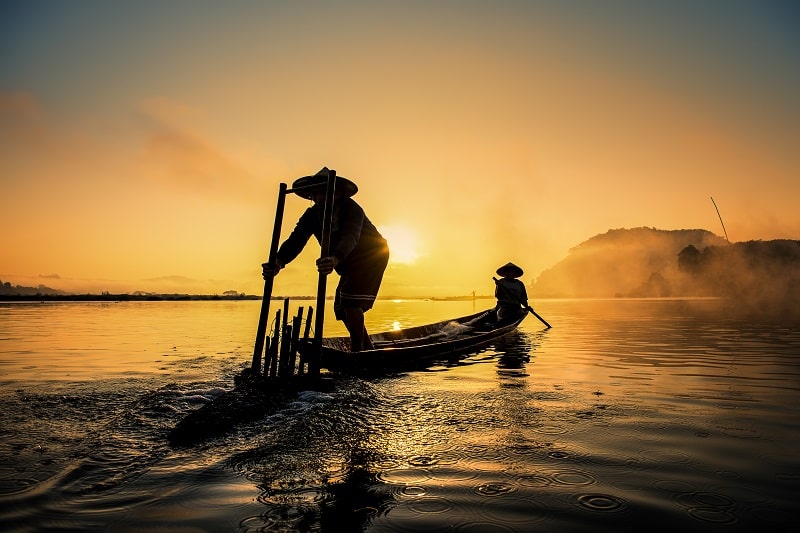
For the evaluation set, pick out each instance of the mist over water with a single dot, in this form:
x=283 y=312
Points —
x=758 y=279
x=624 y=415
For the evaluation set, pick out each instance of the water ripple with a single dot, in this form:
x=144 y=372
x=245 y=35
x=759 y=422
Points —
x=558 y=455
x=413 y=491
x=552 y=429
x=704 y=499
x=431 y=505
x=306 y=496
x=741 y=432
x=404 y=476
x=708 y=506
x=534 y=479
x=573 y=477
x=699 y=433
x=422 y=460
x=710 y=514
x=442 y=473
x=495 y=488
x=666 y=456
x=484 y=527
x=602 y=502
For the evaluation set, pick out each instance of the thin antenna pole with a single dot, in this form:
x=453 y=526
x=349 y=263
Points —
x=720 y=219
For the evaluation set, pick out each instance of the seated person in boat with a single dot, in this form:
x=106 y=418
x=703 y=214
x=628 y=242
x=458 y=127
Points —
x=512 y=298
x=358 y=252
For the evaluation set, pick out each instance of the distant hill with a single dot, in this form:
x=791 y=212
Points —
x=20 y=290
x=621 y=262
x=759 y=277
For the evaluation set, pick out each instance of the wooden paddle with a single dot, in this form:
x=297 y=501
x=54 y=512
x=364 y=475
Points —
x=528 y=308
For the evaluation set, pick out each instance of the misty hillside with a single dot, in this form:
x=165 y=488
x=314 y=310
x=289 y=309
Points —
x=762 y=277
x=758 y=277
x=621 y=262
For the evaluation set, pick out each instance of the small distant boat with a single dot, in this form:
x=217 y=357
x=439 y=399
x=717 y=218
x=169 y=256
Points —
x=414 y=347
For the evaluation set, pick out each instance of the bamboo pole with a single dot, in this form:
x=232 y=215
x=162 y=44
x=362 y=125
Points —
x=274 y=345
x=263 y=317
x=325 y=245
x=284 y=372
x=306 y=334
x=284 y=347
x=297 y=321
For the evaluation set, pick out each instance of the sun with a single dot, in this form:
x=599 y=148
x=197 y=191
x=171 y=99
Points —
x=402 y=244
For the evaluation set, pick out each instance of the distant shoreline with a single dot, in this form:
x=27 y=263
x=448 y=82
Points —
x=105 y=297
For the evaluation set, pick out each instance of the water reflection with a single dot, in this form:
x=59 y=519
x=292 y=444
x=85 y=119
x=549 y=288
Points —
x=513 y=354
x=315 y=469
x=372 y=449
x=625 y=414
x=358 y=498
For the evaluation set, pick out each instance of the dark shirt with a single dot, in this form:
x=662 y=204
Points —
x=511 y=292
x=511 y=298
x=353 y=236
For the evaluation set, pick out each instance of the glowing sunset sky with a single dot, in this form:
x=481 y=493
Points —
x=142 y=143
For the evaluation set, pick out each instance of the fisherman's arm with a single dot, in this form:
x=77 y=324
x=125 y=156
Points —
x=292 y=246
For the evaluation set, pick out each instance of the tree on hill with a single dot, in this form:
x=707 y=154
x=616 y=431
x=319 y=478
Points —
x=761 y=276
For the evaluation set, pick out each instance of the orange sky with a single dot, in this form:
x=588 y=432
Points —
x=142 y=144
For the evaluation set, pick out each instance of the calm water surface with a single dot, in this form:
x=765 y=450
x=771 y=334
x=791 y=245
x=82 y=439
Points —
x=626 y=415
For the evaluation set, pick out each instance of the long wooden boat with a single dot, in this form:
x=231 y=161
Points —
x=415 y=346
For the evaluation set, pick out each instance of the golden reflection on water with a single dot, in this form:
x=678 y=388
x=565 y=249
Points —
x=638 y=408
x=95 y=340
x=85 y=341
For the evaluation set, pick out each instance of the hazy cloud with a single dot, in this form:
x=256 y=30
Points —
x=18 y=102
x=21 y=118
x=176 y=152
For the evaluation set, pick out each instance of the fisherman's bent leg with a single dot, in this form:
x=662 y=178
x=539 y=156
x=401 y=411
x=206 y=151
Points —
x=367 y=342
x=356 y=292
x=354 y=321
